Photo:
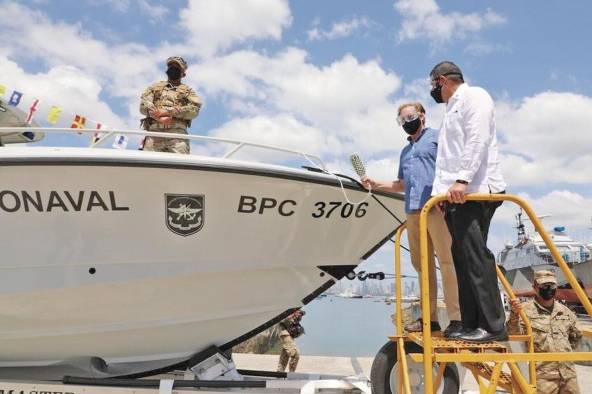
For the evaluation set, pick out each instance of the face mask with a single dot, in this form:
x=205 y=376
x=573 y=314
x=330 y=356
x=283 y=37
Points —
x=436 y=94
x=412 y=127
x=547 y=293
x=173 y=73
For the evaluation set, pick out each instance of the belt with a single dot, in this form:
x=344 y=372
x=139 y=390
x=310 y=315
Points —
x=176 y=124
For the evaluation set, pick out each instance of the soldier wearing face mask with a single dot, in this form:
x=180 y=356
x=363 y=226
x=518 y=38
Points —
x=415 y=178
x=170 y=107
x=553 y=329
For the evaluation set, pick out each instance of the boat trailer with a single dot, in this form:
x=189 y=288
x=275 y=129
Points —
x=213 y=374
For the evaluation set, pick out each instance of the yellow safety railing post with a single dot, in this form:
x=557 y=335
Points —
x=398 y=307
x=493 y=381
x=403 y=360
x=439 y=376
x=519 y=382
x=403 y=371
x=526 y=320
x=425 y=295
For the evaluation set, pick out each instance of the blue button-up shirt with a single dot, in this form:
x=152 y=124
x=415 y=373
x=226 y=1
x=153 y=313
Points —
x=416 y=168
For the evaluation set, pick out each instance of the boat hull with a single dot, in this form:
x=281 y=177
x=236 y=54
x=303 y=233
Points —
x=102 y=259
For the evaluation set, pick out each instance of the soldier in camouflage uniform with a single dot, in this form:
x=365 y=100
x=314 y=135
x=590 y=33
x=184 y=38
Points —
x=169 y=106
x=290 y=329
x=553 y=329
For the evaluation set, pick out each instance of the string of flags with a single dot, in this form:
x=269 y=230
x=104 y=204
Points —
x=56 y=113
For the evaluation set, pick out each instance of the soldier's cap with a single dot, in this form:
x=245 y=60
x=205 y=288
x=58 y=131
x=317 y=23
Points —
x=301 y=312
x=544 y=276
x=179 y=61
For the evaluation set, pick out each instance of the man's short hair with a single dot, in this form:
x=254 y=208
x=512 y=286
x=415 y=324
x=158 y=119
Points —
x=447 y=69
x=416 y=105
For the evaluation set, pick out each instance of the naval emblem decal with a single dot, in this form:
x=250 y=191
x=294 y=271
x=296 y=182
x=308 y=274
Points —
x=184 y=213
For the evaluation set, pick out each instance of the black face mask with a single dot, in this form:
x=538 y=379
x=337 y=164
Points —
x=547 y=293
x=412 y=127
x=173 y=73
x=436 y=94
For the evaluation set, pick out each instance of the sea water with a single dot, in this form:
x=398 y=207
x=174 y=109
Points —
x=352 y=327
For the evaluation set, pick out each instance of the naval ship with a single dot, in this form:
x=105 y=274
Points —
x=530 y=254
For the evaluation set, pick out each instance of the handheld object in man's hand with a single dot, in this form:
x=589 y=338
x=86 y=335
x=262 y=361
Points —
x=358 y=165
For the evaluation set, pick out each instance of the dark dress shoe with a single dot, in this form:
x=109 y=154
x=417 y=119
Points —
x=417 y=326
x=479 y=335
x=454 y=329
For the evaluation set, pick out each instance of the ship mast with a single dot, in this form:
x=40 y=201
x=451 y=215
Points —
x=520 y=228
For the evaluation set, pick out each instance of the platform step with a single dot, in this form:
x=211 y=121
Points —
x=439 y=343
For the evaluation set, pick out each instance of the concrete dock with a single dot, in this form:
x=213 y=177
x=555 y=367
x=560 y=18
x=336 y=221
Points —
x=361 y=366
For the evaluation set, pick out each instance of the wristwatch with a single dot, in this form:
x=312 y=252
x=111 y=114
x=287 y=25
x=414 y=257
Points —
x=462 y=181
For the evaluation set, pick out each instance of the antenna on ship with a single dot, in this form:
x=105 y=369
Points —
x=521 y=228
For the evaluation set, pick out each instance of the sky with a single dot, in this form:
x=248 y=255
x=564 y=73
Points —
x=326 y=77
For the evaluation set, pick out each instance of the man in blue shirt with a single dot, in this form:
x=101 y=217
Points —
x=415 y=178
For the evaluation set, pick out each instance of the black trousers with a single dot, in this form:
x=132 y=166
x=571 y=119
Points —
x=478 y=291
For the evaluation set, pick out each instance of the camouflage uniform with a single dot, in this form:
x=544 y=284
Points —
x=290 y=354
x=553 y=331
x=180 y=101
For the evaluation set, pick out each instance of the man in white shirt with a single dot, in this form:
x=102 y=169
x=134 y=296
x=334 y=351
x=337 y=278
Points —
x=467 y=162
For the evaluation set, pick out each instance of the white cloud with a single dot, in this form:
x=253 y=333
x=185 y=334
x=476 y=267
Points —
x=327 y=94
x=480 y=48
x=288 y=82
x=347 y=100
x=423 y=19
x=566 y=208
x=280 y=130
x=117 y=67
x=544 y=138
x=114 y=69
x=75 y=91
x=216 y=25
x=115 y=5
x=383 y=169
x=339 y=29
x=154 y=12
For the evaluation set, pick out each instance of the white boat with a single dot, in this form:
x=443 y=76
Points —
x=120 y=262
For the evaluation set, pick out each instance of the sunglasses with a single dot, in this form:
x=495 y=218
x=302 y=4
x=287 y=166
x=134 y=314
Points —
x=401 y=120
x=434 y=81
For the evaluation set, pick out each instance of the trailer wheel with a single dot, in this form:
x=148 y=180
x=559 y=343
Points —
x=383 y=375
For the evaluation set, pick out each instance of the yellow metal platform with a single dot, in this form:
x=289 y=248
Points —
x=486 y=361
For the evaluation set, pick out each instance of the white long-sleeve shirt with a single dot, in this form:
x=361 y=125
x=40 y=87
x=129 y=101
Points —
x=467 y=144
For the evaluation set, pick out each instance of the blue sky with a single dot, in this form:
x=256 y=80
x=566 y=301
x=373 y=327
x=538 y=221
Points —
x=327 y=76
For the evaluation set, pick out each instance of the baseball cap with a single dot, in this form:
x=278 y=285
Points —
x=545 y=276
x=178 y=60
